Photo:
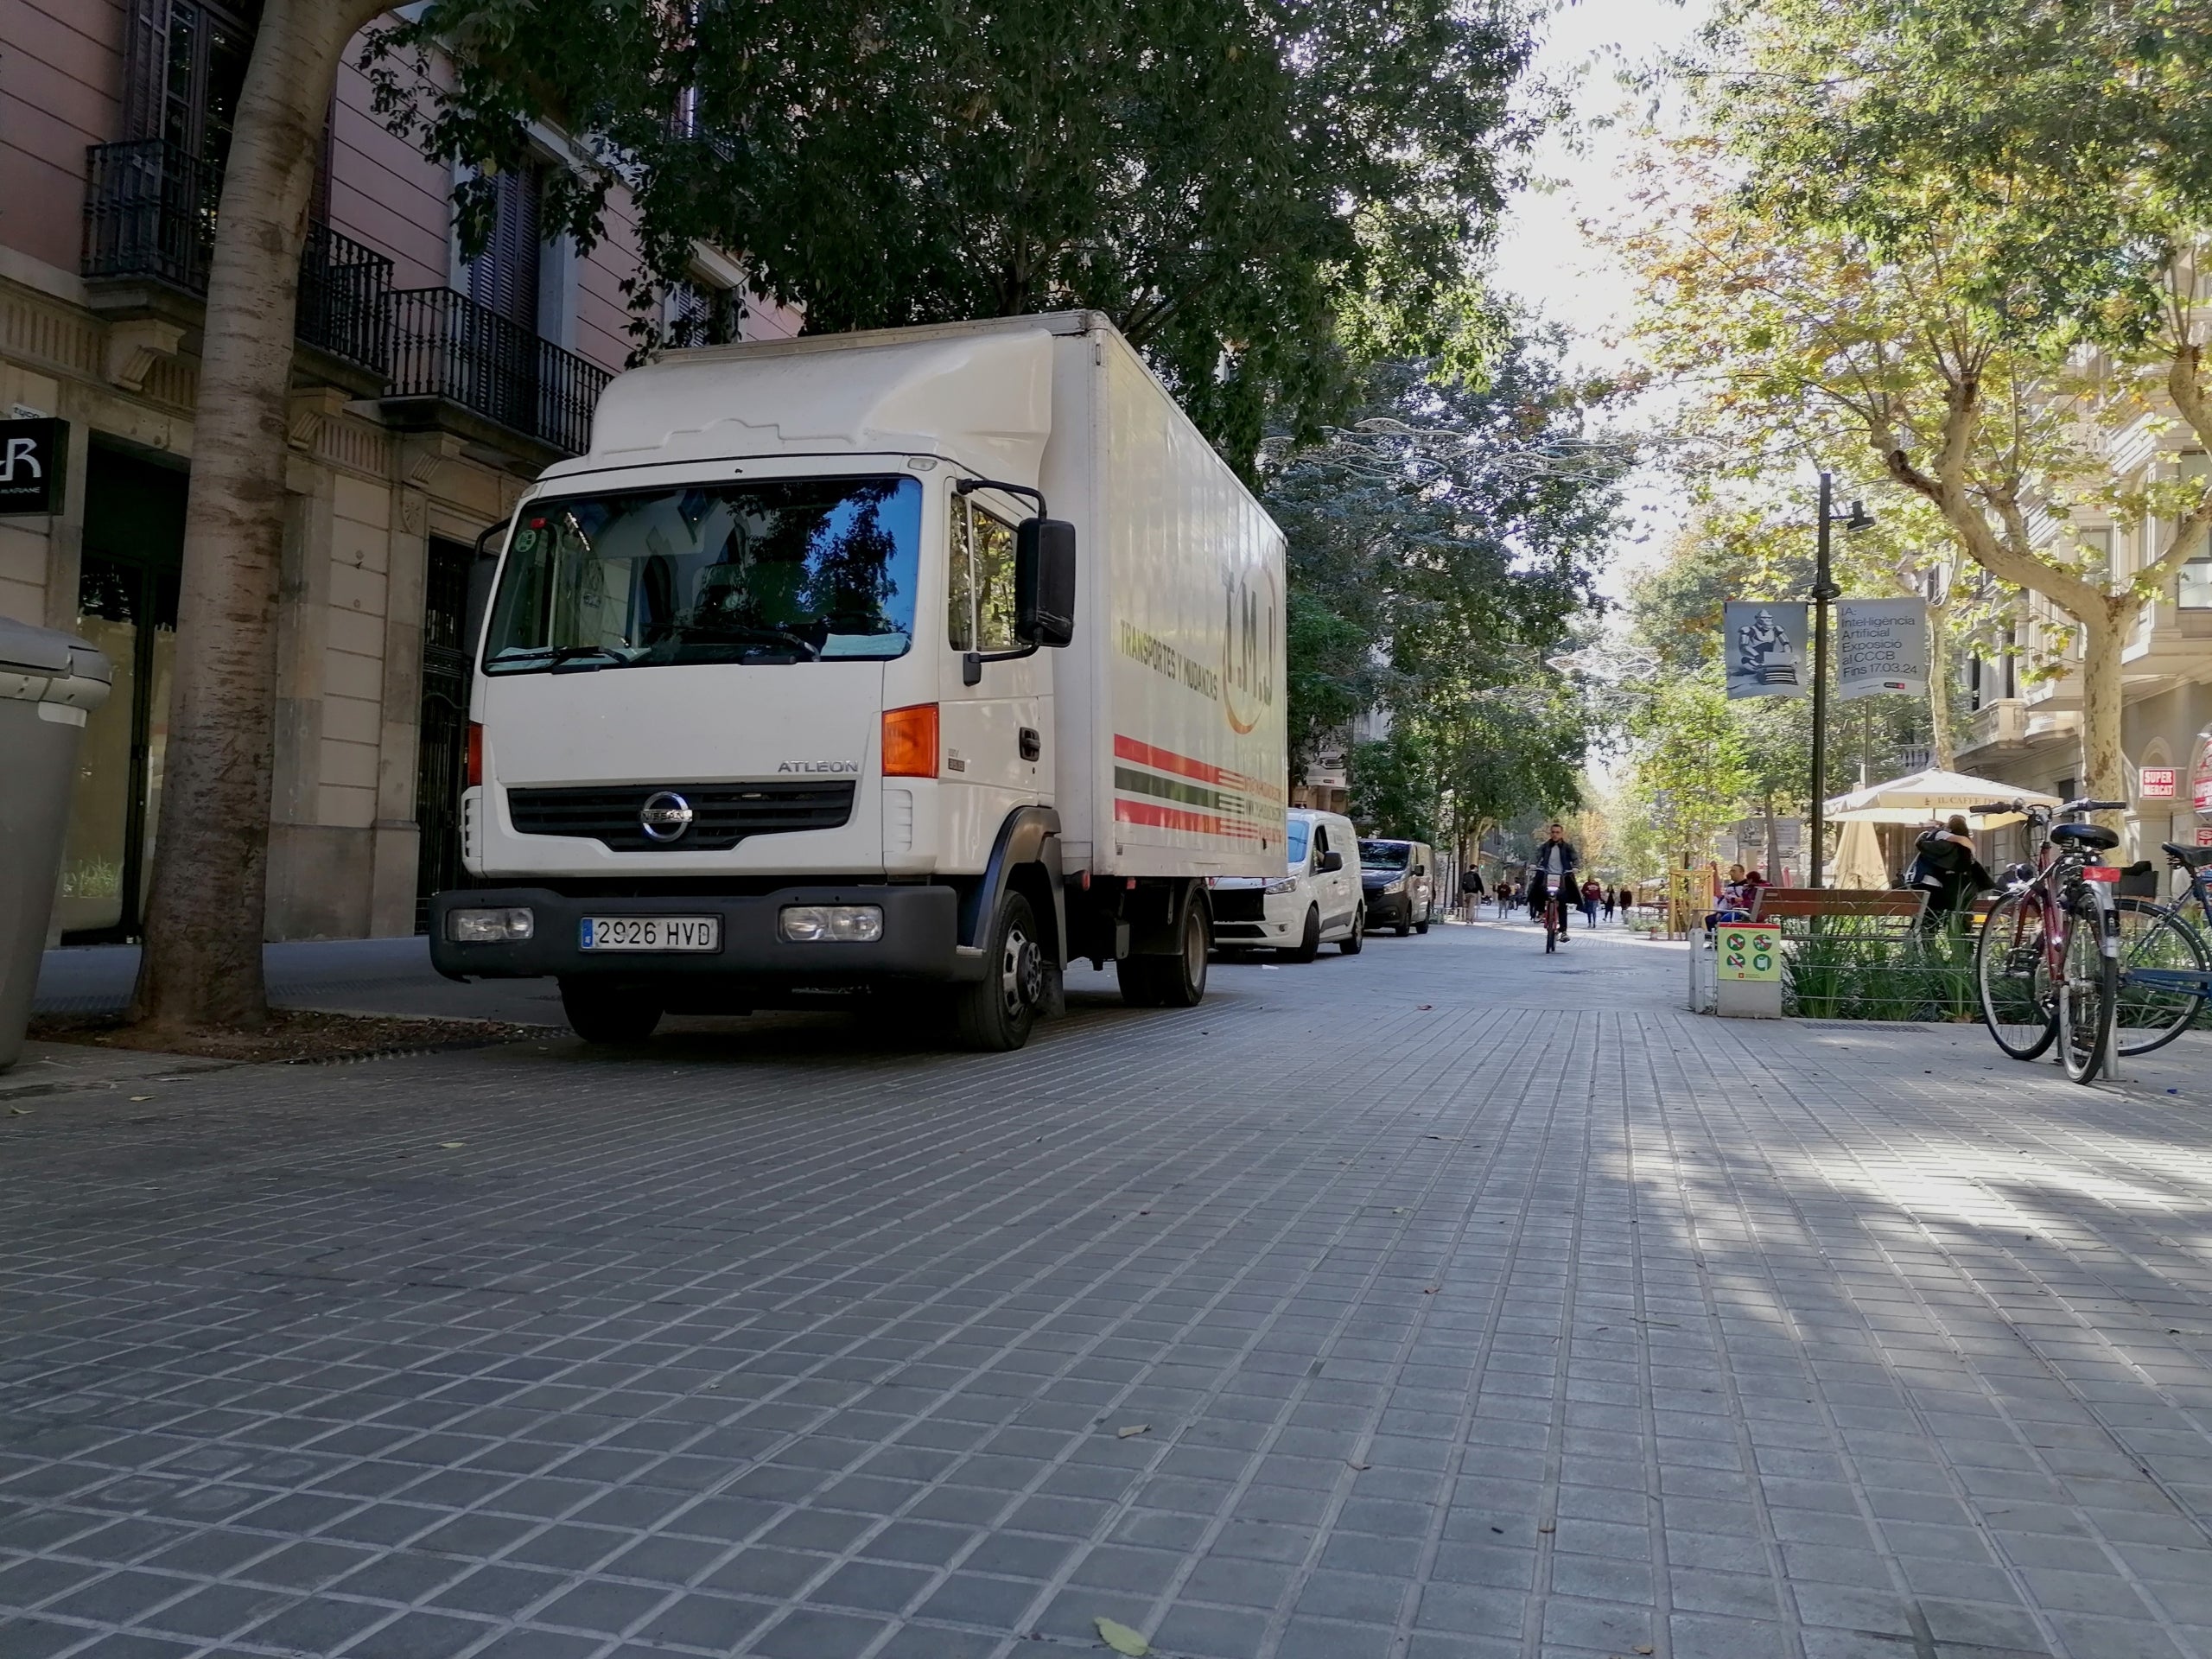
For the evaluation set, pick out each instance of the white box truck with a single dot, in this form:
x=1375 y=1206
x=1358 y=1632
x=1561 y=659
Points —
x=913 y=664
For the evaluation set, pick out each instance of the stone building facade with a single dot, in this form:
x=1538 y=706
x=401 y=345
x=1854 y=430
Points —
x=427 y=389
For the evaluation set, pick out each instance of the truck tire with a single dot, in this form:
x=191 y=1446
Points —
x=1176 y=981
x=608 y=1013
x=1308 y=946
x=997 y=1013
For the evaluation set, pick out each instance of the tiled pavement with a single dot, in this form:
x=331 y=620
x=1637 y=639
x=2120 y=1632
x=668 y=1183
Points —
x=1471 y=1305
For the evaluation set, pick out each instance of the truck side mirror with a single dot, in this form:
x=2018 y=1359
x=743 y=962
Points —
x=1044 y=582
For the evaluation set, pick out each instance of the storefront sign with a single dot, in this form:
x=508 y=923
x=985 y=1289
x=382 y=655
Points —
x=1763 y=644
x=2204 y=837
x=1752 y=951
x=2156 y=783
x=1881 y=645
x=31 y=457
x=2199 y=791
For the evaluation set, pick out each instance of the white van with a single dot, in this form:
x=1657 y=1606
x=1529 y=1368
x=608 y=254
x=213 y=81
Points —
x=1318 y=902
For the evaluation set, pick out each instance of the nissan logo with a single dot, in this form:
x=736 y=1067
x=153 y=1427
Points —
x=665 y=816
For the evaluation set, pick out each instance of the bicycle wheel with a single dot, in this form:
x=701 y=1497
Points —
x=2159 y=940
x=2012 y=968
x=2088 y=987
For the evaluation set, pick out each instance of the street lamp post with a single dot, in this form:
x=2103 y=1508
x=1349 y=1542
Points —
x=1824 y=589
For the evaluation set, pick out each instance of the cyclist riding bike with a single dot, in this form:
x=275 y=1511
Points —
x=1551 y=880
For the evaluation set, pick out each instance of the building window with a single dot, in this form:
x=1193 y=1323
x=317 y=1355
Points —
x=2194 y=589
x=504 y=277
x=699 y=313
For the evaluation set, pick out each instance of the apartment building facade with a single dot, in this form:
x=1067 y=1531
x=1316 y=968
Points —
x=427 y=389
x=2020 y=709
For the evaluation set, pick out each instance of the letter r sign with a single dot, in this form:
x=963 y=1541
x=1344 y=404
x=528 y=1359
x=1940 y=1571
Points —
x=31 y=457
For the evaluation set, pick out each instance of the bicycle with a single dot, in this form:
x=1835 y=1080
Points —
x=1555 y=912
x=2166 y=971
x=2047 y=962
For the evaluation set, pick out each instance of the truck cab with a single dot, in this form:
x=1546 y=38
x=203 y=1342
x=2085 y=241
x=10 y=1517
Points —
x=767 y=702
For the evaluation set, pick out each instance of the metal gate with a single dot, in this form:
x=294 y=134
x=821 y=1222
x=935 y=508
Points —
x=442 y=759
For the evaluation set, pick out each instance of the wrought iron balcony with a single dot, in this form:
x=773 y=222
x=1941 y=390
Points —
x=446 y=347
x=150 y=218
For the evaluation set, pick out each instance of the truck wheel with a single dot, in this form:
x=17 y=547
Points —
x=1310 y=945
x=1348 y=945
x=608 y=1013
x=1176 y=981
x=995 y=1015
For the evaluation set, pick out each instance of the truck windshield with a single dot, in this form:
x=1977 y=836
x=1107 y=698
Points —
x=785 y=571
x=1384 y=854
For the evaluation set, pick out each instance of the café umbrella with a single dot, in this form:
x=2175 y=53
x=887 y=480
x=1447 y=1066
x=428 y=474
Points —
x=1930 y=795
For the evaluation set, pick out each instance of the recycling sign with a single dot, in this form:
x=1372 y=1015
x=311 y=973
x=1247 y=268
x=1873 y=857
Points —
x=1751 y=951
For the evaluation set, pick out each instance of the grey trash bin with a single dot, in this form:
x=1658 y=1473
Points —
x=49 y=682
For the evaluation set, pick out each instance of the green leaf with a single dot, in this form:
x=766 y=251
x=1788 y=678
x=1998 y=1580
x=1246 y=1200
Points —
x=1122 y=1639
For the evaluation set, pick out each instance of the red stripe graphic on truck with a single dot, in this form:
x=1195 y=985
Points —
x=1162 y=789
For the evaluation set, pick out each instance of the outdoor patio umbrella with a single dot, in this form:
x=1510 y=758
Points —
x=1926 y=797
x=1858 y=857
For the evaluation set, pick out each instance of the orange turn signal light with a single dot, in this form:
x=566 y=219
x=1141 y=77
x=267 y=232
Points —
x=910 y=742
x=475 y=753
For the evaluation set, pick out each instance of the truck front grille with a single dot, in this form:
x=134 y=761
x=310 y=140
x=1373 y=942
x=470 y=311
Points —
x=722 y=814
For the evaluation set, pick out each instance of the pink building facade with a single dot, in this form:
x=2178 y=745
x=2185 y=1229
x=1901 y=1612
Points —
x=428 y=390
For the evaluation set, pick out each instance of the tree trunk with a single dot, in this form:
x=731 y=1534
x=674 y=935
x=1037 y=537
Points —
x=2103 y=772
x=205 y=919
x=1939 y=690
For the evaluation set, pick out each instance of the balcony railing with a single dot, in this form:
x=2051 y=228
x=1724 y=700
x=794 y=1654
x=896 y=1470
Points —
x=444 y=345
x=149 y=215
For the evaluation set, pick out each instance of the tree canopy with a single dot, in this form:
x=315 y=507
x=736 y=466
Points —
x=1251 y=194
x=1440 y=546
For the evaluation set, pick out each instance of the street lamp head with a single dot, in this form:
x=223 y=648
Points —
x=1860 y=518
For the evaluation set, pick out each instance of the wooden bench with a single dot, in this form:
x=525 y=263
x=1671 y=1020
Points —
x=1903 y=906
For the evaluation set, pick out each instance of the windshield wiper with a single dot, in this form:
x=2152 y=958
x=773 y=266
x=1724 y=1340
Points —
x=763 y=636
x=563 y=655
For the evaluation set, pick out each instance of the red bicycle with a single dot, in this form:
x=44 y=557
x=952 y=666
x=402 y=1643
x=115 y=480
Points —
x=2048 y=961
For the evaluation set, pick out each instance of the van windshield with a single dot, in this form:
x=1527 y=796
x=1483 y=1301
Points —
x=1384 y=854
x=1294 y=844
x=791 y=571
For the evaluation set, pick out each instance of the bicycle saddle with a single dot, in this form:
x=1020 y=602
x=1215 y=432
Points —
x=2083 y=837
x=2195 y=857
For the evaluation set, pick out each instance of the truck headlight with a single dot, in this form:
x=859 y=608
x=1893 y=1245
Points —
x=1288 y=884
x=842 y=924
x=490 y=926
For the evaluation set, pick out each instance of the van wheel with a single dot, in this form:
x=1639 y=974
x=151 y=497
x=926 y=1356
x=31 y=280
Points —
x=1421 y=927
x=608 y=1013
x=1176 y=981
x=1348 y=945
x=995 y=1015
x=1309 y=946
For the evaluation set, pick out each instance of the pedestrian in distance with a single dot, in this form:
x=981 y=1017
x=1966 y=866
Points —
x=1471 y=891
x=1608 y=903
x=1591 y=892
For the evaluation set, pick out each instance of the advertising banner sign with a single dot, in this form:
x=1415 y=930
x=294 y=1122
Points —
x=2200 y=780
x=2156 y=783
x=31 y=457
x=1764 y=643
x=1881 y=645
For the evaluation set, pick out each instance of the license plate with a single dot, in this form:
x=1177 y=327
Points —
x=651 y=933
